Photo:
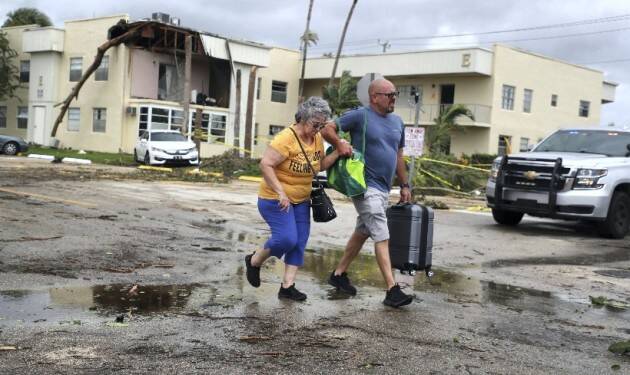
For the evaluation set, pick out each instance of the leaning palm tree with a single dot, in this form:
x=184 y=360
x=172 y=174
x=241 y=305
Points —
x=343 y=37
x=309 y=37
x=438 y=135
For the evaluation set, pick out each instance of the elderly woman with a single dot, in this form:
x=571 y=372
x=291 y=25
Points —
x=284 y=194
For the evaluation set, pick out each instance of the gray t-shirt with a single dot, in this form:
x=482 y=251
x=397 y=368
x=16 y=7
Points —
x=384 y=136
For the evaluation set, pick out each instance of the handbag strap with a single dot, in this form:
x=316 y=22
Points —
x=304 y=152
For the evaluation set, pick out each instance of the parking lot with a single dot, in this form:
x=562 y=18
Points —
x=102 y=269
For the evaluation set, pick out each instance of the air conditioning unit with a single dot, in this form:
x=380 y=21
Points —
x=131 y=111
x=175 y=21
x=162 y=17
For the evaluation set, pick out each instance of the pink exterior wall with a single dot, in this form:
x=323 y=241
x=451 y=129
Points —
x=145 y=67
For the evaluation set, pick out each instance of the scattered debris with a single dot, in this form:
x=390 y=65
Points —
x=615 y=367
x=163 y=265
x=133 y=290
x=120 y=319
x=435 y=204
x=254 y=338
x=117 y=325
x=213 y=248
x=610 y=303
x=621 y=347
x=25 y=239
x=7 y=347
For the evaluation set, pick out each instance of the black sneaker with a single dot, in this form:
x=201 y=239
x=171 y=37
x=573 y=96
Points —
x=342 y=283
x=396 y=298
x=253 y=273
x=291 y=293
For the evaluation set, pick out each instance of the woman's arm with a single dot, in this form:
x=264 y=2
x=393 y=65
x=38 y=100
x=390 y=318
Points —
x=270 y=160
x=329 y=160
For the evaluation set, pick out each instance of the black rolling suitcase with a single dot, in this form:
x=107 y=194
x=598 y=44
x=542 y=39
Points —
x=410 y=237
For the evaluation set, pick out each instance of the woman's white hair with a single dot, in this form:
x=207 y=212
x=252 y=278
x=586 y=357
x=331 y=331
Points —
x=314 y=106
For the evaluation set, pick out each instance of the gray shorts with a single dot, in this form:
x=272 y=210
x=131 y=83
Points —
x=371 y=209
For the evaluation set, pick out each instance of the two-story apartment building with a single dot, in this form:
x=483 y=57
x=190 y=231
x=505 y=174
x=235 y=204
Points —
x=138 y=86
x=517 y=97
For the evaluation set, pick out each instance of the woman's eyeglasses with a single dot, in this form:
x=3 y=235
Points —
x=318 y=125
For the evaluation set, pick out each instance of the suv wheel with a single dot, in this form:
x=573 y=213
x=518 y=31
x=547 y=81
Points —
x=10 y=148
x=504 y=217
x=618 y=220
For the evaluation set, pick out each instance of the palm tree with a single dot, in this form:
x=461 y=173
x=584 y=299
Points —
x=26 y=16
x=343 y=37
x=309 y=37
x=9 y=73
x=438 y=136
x=343 y=97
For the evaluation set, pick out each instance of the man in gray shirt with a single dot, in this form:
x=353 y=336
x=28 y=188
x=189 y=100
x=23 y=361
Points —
x=384 y=142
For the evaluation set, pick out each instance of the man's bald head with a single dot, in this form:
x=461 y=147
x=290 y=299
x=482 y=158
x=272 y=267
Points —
x=382 y=96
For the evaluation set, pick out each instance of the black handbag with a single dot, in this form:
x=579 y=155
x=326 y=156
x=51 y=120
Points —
x=323 y=210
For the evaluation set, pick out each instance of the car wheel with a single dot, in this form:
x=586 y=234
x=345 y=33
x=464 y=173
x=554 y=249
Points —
x=505 y=217
x=10 y=148
x=135 y=156
x=147 y=159
x=617 y=222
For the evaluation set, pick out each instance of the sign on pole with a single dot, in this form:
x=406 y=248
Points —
x=363 y=85
x=414 y=141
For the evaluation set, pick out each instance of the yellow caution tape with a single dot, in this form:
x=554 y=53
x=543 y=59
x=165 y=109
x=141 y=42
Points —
x=152 y=168
x=439 y=179
x=250 y=178
x=455 y=164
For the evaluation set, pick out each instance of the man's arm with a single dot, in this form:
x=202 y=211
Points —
x=329 y=133
x=401 y=173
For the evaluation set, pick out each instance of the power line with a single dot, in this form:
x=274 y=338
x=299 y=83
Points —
x=446 y=45
x=604 y=61
x=618 y=18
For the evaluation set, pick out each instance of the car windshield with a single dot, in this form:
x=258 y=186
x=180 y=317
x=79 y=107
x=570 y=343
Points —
x=168 y=137
x=611 y=143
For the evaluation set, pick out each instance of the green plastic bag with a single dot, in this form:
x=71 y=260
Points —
x=347 y=175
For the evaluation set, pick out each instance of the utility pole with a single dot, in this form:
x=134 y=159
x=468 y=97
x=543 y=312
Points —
x=416 y=97
x=187 y=69
x=385 y=45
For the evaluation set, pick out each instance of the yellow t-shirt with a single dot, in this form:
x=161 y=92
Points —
x=293 y=173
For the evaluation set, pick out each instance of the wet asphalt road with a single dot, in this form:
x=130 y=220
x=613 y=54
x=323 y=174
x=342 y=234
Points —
x=74 y=243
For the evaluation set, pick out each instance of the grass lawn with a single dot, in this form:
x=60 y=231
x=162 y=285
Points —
x=95 y=157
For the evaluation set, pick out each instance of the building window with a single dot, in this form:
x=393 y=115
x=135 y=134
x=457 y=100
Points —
x=584 y=107
x=505 y=142
x=554 y=100
x=259 y=83
x=275 y=129
x=101 y=73
x=168 y=83
x=74 y=119
x=255 y=134
x=527 y=100
x=99 y=120
x=278 y=91
x=217 y=128
x=3 y=117
x=25 y=71
x=507 y=102
x=76 y=69
x=524 y=145
x=22 y=118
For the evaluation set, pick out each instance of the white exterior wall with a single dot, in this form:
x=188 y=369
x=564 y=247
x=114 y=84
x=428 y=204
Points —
x=545 y=76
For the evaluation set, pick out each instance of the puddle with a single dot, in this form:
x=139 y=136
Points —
x=101 y=303
x=620 y=254
x=619 y=274
x=460 y=288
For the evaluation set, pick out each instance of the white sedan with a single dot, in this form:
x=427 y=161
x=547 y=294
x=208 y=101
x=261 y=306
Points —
x=162 y=146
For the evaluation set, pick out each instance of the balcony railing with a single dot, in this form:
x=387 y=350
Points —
x=429 y=112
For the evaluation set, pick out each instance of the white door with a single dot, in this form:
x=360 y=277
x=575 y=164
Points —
x=40 y=135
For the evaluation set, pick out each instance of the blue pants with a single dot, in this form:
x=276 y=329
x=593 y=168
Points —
x=289 y=229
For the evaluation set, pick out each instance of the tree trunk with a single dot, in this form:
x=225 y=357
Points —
x=100 y=51
x=343 y=37
x=186 y=101
x=304 y=49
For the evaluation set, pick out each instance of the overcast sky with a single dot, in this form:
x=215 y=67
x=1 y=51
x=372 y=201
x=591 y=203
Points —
x=599 y=45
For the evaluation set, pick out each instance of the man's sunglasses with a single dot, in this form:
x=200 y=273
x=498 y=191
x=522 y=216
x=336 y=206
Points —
x=390 y=95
